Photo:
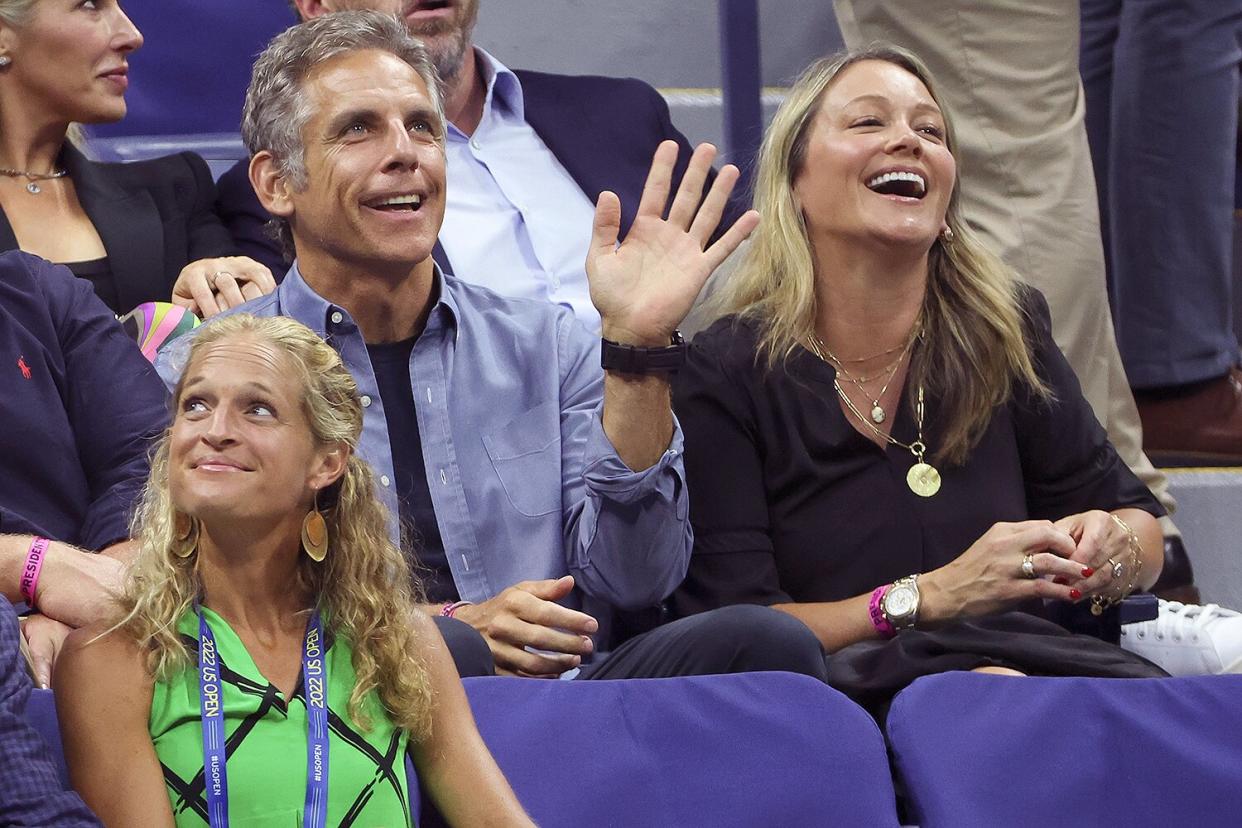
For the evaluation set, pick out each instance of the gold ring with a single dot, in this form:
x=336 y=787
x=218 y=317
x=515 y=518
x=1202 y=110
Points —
x=1028 y=567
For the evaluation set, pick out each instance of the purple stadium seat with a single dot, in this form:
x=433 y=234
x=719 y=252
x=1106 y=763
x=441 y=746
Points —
x=979 y=750
x=754 y=749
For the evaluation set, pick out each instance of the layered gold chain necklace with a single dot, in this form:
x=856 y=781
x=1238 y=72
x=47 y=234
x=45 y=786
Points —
x=922 y=478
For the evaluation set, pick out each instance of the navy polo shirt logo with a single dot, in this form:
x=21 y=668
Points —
x=21 y=363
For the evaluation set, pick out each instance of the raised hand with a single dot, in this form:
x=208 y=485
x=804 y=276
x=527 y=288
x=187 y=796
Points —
x=646 y=286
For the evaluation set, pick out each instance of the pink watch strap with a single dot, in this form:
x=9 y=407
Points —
x=881 y=624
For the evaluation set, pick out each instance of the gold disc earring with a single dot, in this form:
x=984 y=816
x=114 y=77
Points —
x=185 y=535
x=315 y=533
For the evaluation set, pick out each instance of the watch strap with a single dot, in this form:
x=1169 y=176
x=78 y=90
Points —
x=881 y=624
x=632 y=359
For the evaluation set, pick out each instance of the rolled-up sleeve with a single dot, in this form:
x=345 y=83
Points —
x=627 y=533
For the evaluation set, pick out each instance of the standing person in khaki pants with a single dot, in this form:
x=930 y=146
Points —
x=1009 y=70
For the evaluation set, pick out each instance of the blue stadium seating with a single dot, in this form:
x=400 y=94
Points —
x=755 y=749
x=978 y=750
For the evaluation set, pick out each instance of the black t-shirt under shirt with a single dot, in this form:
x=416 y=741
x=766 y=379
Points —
x=391 y=363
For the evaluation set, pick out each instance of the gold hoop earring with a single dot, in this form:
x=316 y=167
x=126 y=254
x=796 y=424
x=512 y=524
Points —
x=315 y=533
x=185 y=535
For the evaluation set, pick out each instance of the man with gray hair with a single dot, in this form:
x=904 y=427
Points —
x=528 y=154
x=545 y=493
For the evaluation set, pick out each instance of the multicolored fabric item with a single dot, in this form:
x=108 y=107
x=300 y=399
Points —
x=152 y=324
x=266 y=743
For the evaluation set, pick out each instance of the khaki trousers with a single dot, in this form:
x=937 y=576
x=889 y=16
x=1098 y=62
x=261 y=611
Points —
x=1008 y=71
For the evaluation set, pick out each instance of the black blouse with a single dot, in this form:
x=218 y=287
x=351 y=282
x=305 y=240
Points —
x=790 y=503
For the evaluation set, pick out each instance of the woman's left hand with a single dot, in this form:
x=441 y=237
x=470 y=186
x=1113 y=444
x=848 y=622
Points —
x=1100 y=541
x=209 y=286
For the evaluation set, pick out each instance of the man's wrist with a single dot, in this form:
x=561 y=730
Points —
x=625 y=335
x=620 y=357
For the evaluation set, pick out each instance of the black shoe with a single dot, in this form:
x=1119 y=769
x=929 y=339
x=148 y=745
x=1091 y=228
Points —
x=1177 y=579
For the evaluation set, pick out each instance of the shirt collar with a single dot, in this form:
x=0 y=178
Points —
x=300 y=301
x=504 y=91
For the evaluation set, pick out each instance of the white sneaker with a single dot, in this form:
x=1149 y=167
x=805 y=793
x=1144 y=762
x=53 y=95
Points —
x=1188 y=639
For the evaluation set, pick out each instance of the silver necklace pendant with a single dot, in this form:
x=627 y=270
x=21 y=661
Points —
x=877 y=414
x=33 y=188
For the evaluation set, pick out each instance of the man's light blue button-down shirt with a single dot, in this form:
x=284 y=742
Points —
x=525 y=483
x=515 y=220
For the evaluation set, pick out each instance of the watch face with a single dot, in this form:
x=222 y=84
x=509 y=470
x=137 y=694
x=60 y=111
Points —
x=899 y=601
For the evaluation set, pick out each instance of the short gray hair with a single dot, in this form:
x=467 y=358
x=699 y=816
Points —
x=276 y=110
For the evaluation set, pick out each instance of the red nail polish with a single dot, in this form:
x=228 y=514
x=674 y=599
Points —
x=1060 y=580
x=1087 y=572
x=1075 y=594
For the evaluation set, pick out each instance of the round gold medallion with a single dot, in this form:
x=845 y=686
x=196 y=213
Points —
x=923 y=479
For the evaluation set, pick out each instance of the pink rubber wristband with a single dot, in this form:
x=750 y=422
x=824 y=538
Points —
x=881 y=624
x=31 y=569
x=450 y=609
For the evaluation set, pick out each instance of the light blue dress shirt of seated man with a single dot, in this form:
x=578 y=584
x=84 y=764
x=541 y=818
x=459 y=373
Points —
x=525 y=482
x=515 y=220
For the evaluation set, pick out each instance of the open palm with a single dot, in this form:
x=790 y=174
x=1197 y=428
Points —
x=644 y=287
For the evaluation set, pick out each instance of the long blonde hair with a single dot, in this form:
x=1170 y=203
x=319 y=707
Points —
x=973 y=346
x=364 y=586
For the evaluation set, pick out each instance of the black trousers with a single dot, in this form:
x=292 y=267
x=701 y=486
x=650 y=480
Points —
x=735 y=639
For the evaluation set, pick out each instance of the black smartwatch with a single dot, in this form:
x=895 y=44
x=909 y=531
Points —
x=629 y=359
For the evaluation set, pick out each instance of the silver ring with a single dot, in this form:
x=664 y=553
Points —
x=1028 y=567
x=1117 y=568
x=212 y=281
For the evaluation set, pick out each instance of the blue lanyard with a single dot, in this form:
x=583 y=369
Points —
x=210 y=696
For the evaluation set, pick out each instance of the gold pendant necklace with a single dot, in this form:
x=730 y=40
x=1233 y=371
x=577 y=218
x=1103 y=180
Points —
x=878 y=414
x=923 y=478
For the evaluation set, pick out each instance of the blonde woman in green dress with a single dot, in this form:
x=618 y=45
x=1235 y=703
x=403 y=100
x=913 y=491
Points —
x=269 y=665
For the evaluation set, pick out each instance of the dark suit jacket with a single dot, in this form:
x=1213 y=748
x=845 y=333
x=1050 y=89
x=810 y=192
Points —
x=602 y=130
x=154 y=217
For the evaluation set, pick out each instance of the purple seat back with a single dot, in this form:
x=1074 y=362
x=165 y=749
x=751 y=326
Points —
x=739 y=750
x=979 y=750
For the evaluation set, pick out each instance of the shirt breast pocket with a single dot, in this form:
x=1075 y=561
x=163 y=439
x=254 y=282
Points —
x=526 y=456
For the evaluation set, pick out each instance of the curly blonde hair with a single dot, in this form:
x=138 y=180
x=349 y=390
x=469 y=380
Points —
x=363 y=587
x=974 y=343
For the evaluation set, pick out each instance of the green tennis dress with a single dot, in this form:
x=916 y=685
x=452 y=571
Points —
x=266 y=741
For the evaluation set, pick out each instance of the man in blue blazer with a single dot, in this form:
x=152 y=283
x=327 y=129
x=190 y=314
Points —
x=528 y=155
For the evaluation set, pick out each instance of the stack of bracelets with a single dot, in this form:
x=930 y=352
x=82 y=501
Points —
x=1100 y=602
